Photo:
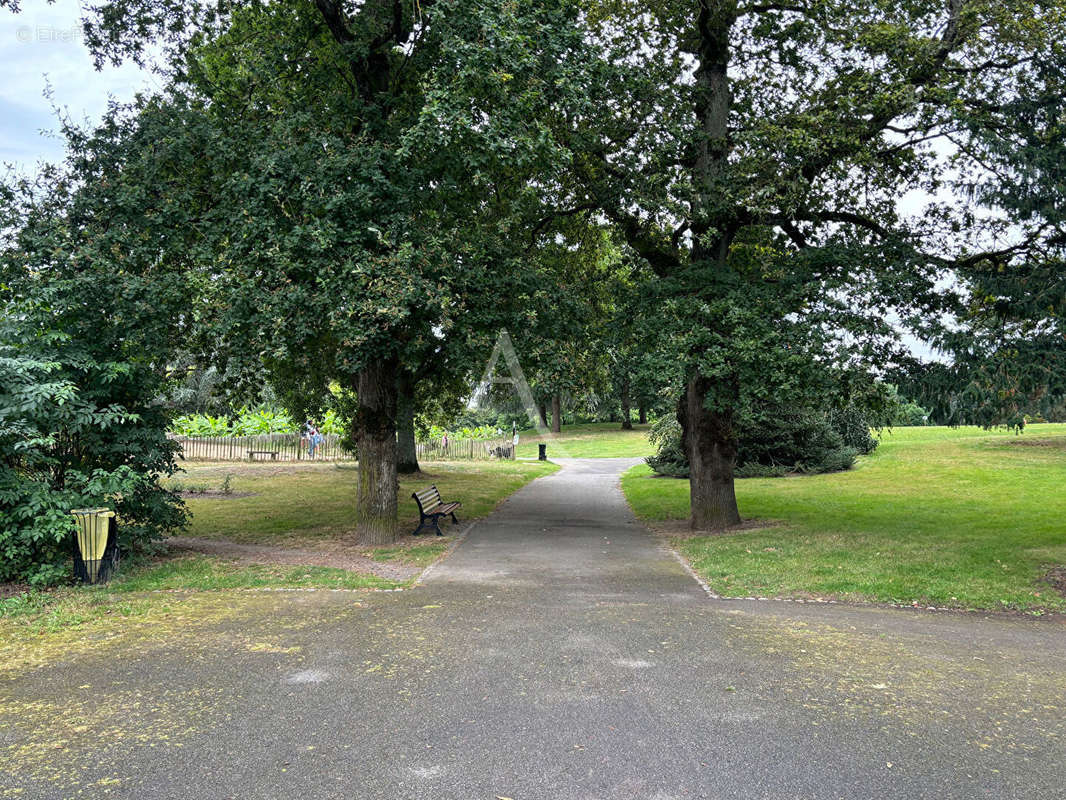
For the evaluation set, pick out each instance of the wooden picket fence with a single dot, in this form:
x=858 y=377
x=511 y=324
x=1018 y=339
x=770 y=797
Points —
x=293 y=447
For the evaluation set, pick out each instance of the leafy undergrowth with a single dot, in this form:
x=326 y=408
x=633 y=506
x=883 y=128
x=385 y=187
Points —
x=955 y=518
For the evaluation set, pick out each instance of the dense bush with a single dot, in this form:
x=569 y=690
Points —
x=910 y=414
x=853 y=428
x=669 y=458
x=772 y=444
x=250 y=422
x=902 y=412
x=75 y=432
x=488 y=418
x=458 y=434
x=798 y=441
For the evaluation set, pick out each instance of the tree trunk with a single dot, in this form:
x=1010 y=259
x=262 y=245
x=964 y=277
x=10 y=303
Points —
x=407 y=456
x=374 y=432
x=542 y=409
x=557 y=416
x=711 y=450
x=643 y=411
x=708 y=435
x=627 y=423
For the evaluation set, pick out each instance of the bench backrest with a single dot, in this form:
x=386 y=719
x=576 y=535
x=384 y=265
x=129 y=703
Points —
x=427 y=499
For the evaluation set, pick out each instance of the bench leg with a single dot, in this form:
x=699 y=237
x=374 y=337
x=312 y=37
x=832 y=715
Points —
x=454 y=520
x=427 y=521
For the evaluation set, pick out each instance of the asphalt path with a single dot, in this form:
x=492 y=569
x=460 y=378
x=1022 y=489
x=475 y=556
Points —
x=561 y=651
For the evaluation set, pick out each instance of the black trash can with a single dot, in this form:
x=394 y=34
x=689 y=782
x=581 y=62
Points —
x=542 y=452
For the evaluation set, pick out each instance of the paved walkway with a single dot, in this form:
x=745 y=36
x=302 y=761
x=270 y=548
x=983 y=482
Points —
x=560 y=653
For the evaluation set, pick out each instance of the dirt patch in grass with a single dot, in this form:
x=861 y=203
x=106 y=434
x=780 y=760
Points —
x=679 y=529
x=1057 y=578
x=1056 y=442
x=215 y=494
x=261 y=469
x=326 y=554
x=12 y=589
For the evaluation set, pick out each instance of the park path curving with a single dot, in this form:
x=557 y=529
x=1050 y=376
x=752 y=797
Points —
x=561 y=653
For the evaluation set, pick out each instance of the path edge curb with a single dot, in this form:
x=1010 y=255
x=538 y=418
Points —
x=443 y=556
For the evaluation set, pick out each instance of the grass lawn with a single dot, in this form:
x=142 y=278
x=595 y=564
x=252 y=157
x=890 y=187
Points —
x=288 y=506
x=592 y=440
x=301 y=504
x=964 y=518
x=131 y=593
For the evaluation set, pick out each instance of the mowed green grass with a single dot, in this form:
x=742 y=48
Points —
x=133 y=591
x=963 y=518
x=287 y=505
x=592 y=440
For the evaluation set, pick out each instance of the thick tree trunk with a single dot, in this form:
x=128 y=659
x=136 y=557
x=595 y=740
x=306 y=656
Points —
x=627 y=423
x=542 y=409
x=643 y=411
x=407 y=453
x=557 y=414
x=711 y=450
x=374 y=432
x=708 y=435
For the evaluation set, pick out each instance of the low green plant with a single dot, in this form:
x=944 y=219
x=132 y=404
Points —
x=247 y=421
x=436 y=433
x=201 y=425
x=260 y=421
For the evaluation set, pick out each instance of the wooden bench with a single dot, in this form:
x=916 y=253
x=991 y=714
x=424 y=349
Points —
x=272 y=453
x=432 y=508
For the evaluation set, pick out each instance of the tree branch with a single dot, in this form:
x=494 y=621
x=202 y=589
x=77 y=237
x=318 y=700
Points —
x=557 y=214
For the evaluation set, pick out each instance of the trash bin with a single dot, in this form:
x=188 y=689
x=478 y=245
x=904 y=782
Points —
x=542 y=452
x=96 y=545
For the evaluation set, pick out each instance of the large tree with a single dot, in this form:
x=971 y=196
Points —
x=1005 y=357
x=360 y=173
x=754 y=155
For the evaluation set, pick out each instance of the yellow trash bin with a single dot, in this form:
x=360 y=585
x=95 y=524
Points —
x=94 y=529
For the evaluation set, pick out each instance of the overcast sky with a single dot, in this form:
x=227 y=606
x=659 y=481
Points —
x=42 y=47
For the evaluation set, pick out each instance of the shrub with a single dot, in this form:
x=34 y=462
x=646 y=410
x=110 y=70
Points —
x=800 y=441
x=436 y=432
x=332 y=422
x=752 y=470
x=854 y=429
x=75 y=432
x=251 y=422
x=247 y=422
x=201 y=425
x=769 y=444
x=670 y=458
